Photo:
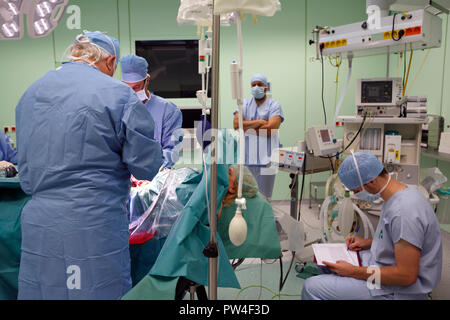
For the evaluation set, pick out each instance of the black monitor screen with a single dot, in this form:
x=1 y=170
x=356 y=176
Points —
x=191 y=117
x=173 y=67
x=376 y=92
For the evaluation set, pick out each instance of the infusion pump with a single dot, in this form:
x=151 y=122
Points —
x=321 y=140
x=380 y=97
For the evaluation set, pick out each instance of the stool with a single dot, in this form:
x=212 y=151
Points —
x=316 y=185
x=185 y=285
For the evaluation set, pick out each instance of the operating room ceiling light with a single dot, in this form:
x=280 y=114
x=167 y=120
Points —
x=42 y=17
x=11 y=19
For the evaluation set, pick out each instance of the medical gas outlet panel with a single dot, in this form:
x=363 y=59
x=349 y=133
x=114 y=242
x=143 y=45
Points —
x=415 y=30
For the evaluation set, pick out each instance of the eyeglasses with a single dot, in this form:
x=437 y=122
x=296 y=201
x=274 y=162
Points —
x=42 y=17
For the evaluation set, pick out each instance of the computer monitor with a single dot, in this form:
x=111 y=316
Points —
x=173 y=67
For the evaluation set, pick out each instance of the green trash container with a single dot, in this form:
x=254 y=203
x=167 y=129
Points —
x=443 y=207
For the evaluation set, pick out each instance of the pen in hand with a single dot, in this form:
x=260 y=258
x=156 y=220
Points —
x=353 y=239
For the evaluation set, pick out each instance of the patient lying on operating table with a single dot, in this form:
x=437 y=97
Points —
x=155 y=205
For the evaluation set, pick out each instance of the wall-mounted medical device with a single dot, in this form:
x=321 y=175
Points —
x=321 y=140
x=394 y=141
x=431 y=132
x=416 y=107
x=380 y=97
x=291 y=160
x=392 y=148
x=417 y=29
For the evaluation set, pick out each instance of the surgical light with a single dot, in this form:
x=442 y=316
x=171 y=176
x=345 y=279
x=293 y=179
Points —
x=41 y=26
x=11 y=19
x=10 y=29
x=42 y=17
x=13 y=9
x=43 y=9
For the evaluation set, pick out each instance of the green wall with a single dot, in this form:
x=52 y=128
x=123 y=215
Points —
x=276 y=46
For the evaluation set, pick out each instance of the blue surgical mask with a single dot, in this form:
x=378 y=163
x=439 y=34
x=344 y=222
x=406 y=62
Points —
x=367 y=196
x=142 y=95
x=258 y=92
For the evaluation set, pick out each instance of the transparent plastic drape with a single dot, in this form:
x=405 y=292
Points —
x=154 y=206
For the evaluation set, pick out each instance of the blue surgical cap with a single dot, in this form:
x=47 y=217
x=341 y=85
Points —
x=134 y=68
x=369 y=167
x=110 y=44
x=259 y=77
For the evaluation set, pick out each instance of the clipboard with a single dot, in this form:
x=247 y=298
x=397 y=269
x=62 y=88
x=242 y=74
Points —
x=332 y=252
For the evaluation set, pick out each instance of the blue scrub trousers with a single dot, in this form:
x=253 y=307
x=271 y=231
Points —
x=265 y=181
x=329 y=286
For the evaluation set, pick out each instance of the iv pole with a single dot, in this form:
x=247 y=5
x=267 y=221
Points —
x=212 y=277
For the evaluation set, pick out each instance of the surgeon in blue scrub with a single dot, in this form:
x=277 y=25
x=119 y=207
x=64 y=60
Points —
x=167 y=116
x=262 y=117
x=403 y=261
x=7 y=152
x=81 y=134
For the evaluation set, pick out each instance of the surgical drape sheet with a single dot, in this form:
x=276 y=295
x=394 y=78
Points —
x=262 y=237
x=182 y=254
x=190 y=235
x=12 y=200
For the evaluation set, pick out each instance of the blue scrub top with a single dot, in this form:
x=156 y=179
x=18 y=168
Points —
x=408 y=215
x=258 y=149
x=7 y=153
x=168 y=121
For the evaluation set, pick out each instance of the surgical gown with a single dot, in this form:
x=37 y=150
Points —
x=7 y=153
x=81 y=134
x=168 y=121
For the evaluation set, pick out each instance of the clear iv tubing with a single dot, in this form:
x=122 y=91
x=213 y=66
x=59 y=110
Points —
x=241 y=124
x=366 y=221
x=323 y=212
x=324 y=216
x=202 y=36
x=341 y=100
x=205 y=89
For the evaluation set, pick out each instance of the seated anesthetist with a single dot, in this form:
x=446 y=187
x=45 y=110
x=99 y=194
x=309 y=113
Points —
x=404 y=259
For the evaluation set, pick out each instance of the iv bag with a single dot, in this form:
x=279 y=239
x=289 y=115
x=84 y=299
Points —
x=258 y=7
x=199 y=12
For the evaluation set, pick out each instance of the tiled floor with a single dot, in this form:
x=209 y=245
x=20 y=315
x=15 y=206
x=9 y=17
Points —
x=261 y=279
